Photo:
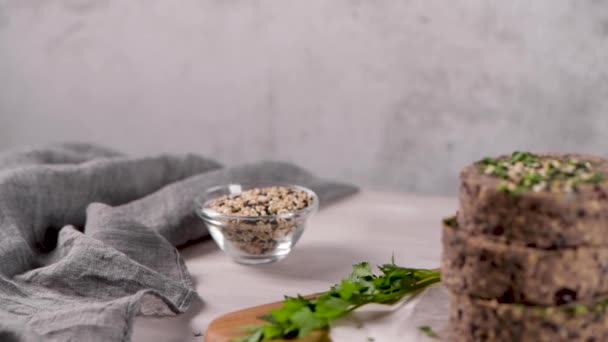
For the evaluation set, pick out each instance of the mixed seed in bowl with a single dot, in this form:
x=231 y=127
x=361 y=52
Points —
x=263 y=220
x=274 y=200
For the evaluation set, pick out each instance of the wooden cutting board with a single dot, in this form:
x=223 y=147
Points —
x=227 y=327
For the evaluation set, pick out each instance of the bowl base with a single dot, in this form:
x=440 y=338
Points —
x=250 y=260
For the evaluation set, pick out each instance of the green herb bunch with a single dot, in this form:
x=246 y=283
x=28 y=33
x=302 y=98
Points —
x=525 y=171
x=299 y=316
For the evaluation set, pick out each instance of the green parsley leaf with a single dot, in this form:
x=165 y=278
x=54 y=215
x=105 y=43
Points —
x=361 y=270
x=346 y=289
x=331 y=308
x=272 y=331
x=255 y=336
x=428 y=331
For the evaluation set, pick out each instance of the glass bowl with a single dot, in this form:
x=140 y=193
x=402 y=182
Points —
x=254 y=239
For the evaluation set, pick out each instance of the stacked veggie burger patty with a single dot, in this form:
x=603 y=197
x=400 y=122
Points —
x=526 y=257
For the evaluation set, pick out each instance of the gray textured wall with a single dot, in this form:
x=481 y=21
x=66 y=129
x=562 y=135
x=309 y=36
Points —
x=391 y=94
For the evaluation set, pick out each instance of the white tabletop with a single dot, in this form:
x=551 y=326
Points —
x=366 y=227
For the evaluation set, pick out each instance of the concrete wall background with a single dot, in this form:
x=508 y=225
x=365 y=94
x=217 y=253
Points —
x=390 y=94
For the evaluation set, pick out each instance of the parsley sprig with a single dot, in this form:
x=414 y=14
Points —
x=299 y=316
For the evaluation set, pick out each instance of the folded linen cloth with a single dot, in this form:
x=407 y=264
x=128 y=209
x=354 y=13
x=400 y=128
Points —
x=88 y=236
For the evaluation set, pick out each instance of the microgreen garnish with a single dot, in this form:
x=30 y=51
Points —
x=428 y=331
x=299 y=316
x=450 y=221
x=575 y=309
x=525 y=171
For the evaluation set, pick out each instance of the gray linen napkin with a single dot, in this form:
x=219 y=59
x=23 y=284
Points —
x=88 y=236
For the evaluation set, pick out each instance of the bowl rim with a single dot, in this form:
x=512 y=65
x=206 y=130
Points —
x=210 y=214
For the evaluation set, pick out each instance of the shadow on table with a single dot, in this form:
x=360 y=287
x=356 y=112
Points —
x=199 y=247
x=325 y=262
x=169 y=328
